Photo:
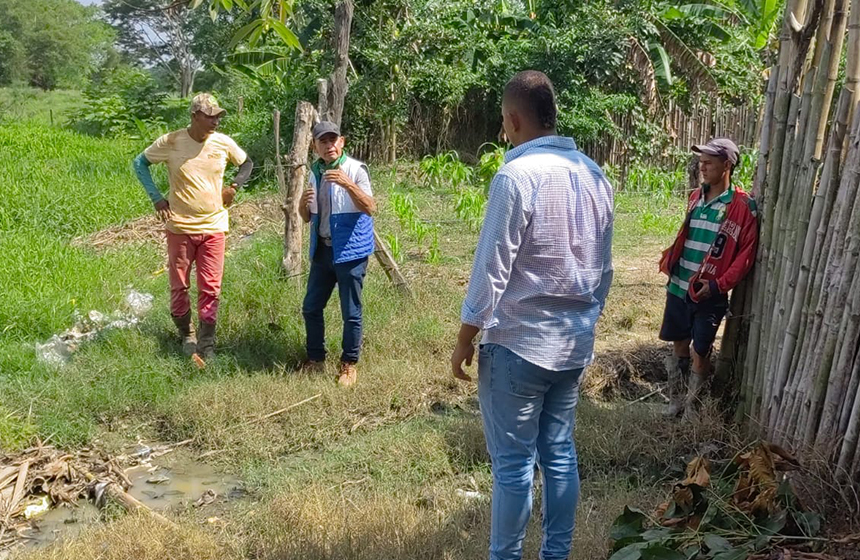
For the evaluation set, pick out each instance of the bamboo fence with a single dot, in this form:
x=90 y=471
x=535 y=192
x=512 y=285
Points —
x=797 y=356
x=684 y=129
x=612 y=147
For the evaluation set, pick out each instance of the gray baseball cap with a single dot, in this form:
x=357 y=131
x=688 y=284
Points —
x=720 y=147
x=325 y=127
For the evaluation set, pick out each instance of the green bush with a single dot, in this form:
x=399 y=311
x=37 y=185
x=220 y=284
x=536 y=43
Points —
x=129 y=102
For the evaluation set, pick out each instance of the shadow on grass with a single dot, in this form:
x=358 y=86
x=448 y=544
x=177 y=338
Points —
x=467 y=447
x=250 y=351
x=255 y=351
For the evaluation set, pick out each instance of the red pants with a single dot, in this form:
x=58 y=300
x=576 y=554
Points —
x=207 y=251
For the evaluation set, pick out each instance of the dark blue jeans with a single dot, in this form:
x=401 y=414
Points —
x=349 y=277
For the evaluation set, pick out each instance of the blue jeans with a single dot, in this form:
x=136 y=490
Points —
x=349 y=278
x=528 y=414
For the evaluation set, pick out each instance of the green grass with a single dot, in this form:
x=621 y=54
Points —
x=365 y=473
x=65 y=183
x=59 y=184
x=34 y=105
x=650 y=217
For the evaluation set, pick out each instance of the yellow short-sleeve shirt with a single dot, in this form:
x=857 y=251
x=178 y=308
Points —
x=196 y=175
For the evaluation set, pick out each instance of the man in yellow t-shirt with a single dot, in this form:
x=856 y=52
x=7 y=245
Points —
x=195 y=214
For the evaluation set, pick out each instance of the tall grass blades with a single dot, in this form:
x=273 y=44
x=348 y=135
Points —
x=407 y=215
x=434 y=253
x=394 y=246
x=58 y=184
x=404 y=208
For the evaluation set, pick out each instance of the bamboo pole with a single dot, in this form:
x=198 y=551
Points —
x=850 y=449
x=841 y=372
x=801 y=373
x=835 y=40
x=747 y=408
x=837 y=376
x=853 y=387
x=852 y=62
x=792 y=209
x=836 y=305
x=827 y=278
x=813 y=235
x=793 y=250
x=779 y=164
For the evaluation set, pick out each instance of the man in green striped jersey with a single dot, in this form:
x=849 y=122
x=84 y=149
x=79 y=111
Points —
x=713 y=251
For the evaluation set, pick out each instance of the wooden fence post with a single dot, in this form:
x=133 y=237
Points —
x=298 y=163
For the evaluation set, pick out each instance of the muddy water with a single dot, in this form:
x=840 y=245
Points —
x=171 y=483
x=62 y=522
x=180 y=482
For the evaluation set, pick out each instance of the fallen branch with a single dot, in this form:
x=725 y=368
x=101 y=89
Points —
x=849 y=539
x=115 y=492
x=17 y=494
x=281 y=411
x=644 y=397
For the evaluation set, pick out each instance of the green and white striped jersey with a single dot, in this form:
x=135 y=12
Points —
x=705 y=222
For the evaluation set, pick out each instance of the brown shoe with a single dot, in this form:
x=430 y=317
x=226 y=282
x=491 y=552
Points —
x=347 y=375
x=313 y=366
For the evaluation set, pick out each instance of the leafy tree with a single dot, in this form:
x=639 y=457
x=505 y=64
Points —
x=172 y=37
x=13 y=59
x=128 y=102
x=50 y=43
x=428 y=74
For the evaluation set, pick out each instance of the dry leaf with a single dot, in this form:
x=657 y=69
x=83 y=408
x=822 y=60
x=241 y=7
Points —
x=765 y=502
x=683 y=497
x=743 y=490
x=699 y=472
x=761 y=467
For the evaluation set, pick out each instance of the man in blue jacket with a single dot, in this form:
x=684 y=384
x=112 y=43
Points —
x=338 y=204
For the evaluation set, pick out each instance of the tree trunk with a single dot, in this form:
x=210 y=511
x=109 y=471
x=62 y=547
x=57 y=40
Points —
x=298 y=165
x=338 y=85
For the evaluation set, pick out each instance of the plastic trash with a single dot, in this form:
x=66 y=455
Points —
x=54 y=352
x=139 y=303
x=41 y=506
x=470 y=494
x=96 y=317
x=58 y=349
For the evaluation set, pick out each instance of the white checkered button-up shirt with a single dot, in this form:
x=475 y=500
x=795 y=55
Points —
x=543 y=264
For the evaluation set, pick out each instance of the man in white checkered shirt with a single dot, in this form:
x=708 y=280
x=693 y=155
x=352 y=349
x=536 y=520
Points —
x=542 y=270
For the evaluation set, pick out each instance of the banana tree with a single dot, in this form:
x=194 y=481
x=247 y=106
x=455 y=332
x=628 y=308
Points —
x=265 y=62
x=661 y=46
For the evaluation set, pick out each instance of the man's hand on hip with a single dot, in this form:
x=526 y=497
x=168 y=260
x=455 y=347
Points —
x=228 y=194
x=162 y=210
